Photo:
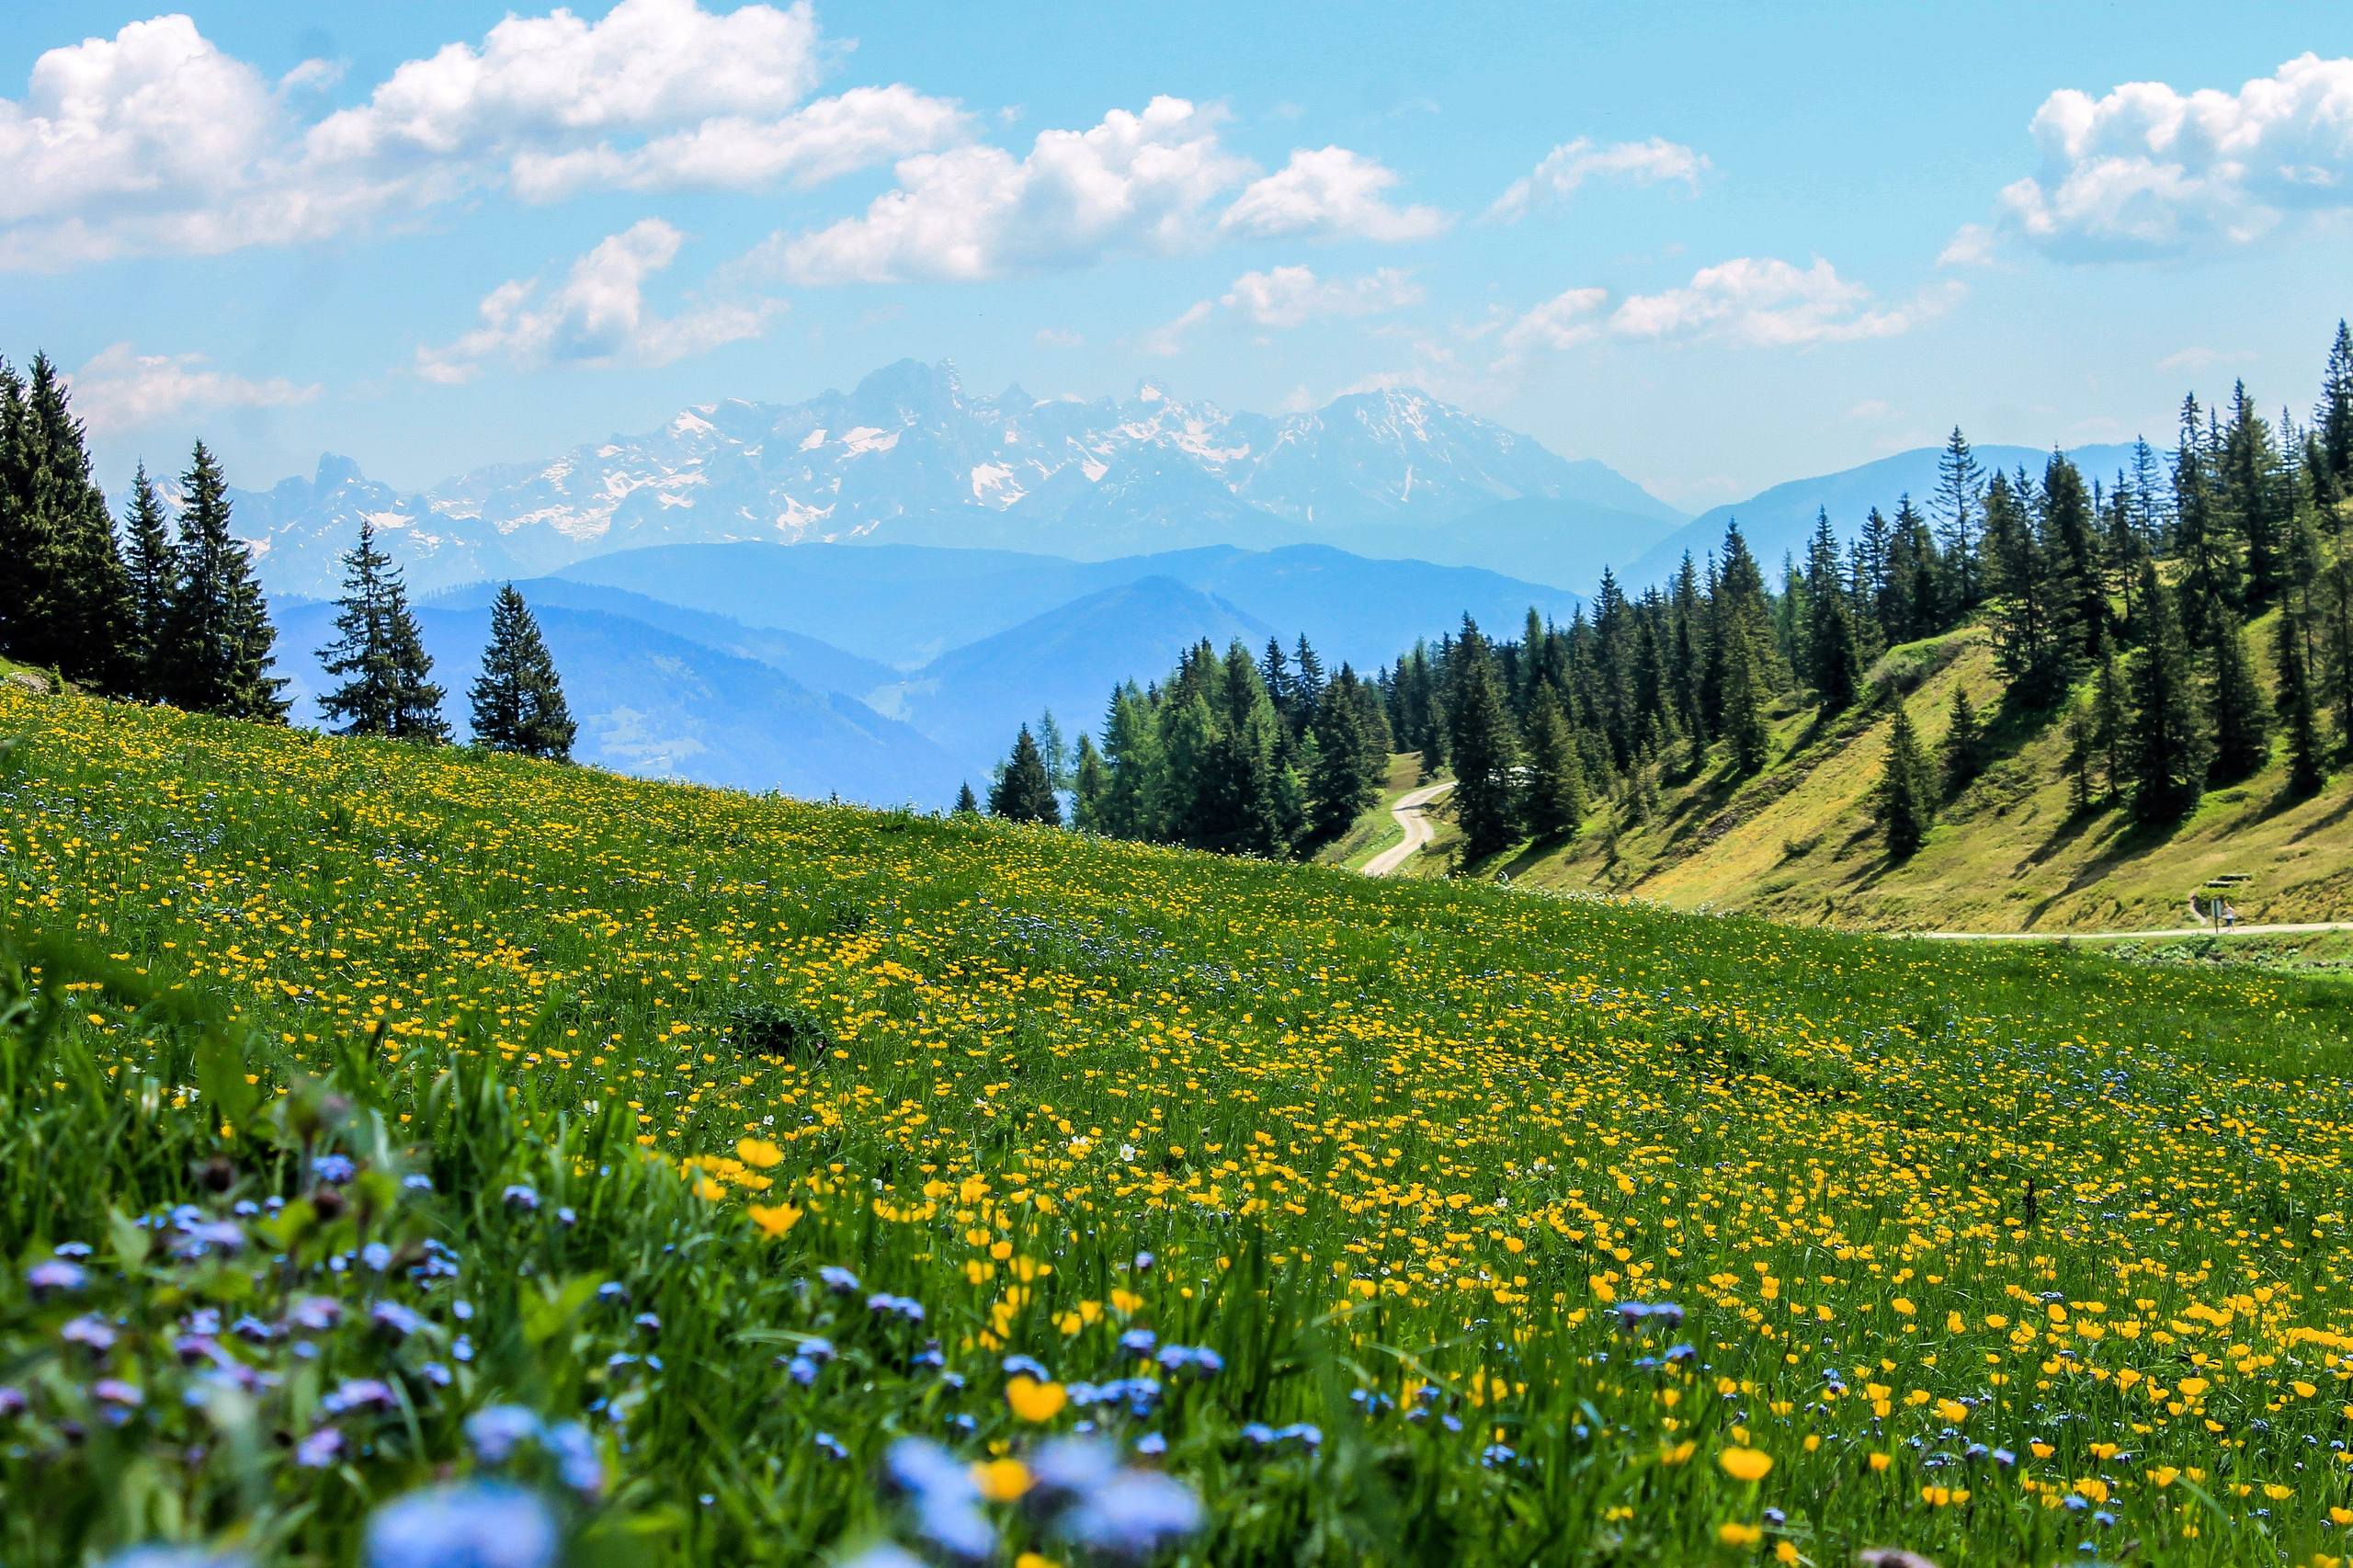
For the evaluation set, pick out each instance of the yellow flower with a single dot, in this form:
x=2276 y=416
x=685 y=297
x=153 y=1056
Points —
x=758 y=1151
x=1746 y=1464
x=1952 y=1410
x=1034 y=1559
x=1880 y=1461
x=1001 y=1481
x=1034 y=1401
x=773 y=1220
x=1732 y=1533
x=2163 y=1475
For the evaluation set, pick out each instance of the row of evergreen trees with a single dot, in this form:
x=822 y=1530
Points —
x=164 y=610
x=1249 y=756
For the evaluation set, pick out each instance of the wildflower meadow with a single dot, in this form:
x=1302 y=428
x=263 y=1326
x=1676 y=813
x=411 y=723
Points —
x=419 y=1157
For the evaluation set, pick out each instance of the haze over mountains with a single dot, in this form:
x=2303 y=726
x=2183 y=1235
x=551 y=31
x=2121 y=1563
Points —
x=866 y=593
x=909 y=457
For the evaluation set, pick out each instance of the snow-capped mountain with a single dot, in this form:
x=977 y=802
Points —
x=911 y=457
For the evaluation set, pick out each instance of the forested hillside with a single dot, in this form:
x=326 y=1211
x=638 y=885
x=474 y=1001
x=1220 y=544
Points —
x=2030 y=697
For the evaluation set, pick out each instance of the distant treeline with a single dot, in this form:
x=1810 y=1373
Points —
x=2116 y=604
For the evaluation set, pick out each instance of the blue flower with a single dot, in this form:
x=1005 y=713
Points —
x=577 y=1462
x=1139 y=1342
x=176 y=1557
x=320 y=1449
x=394 y=1319
x=497 y=1430
x=521 y=1199
x=481 y=1525
x=1133 y=1514
x=55 y=1274
x=830 y=1446
x=837 y=1280
x=942 y=1495
x=335 y=1169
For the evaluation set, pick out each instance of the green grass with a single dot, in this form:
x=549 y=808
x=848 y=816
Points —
x=1392 y=1148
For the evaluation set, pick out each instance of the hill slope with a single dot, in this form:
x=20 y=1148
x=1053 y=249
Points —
x=683 y=1160
x=1799 y=842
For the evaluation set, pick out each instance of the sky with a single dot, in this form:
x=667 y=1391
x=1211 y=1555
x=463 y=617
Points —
x=1714 y=246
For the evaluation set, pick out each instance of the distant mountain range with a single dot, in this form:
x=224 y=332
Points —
x=909 y=457
x=891 y=673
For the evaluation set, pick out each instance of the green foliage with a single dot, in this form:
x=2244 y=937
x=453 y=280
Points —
x=1907 y=800
x=517 y=699
x=1023 y=792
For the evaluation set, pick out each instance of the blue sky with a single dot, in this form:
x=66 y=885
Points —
x=1714 y=246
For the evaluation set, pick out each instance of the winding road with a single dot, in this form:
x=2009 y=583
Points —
x=1411 y=816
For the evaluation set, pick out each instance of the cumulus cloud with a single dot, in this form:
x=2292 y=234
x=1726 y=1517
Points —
x=2150 y=170
x=596 y=316
x=123 y=390
x=1283 y=298
x=1749 y=301
x=1971 y=245
x=154 y=140
x=1571 y=165
x=1328 y=193
x=1135 y=182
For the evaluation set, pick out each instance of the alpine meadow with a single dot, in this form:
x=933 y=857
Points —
x=724 y=947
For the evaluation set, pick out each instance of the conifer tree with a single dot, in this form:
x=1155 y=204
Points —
x=64 y=598
x=2169 y=749
x=517 y=699
x=1130 y=808
x=1552 y=803
x=1961 y=482
x=416 y=708
x=152 y=566
x=1307 y=685
x=1964 y=750
x=2077 y=594
x=2211 y=579
x=1053 y=751
x=2298 y=716
x=1832 y=665
x=2082 y=749
x=967 y=805
x=1090 y=781
x=2027 y=642
x=218 y=638
x=2110 y=730
x=2240 y=716
x=1022 y=792
x=1479 y=739
x=2248 y=466
x=360 y=658
x=2333 y=420
x=1905 y=799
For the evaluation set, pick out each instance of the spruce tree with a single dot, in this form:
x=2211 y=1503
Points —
x=1832 y=665
x=2249 y=479
x=1090 y=782
x=416 y=708
x=152 y=566
x=2110 y=730
x=217 y=637
x=1349 y=763
x=2333 y=420
x=966 y=804
x=1960 y=484
x=1905 y=800
x=2240 y=716
x=360 y=658
x=2298 y=716
x=2082 y=749
x=67 y=596
x=2077 y=592
x=1552 y=803
x=1130 y=808
x=1022 y=792
x=1479 y=738
x=517 y=699
x=1963 y=757
x=2027 y=637
x=2168 y=748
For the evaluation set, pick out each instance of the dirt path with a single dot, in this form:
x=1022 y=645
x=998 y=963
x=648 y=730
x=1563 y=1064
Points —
x=1411 y=817
x=2290 y=930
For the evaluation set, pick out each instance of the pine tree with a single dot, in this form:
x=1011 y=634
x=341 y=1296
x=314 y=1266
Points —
x=967 y=805
x=154 y=569
x=2248 y=478
x=2077 y=592
x=360 y=658
x=1479 y=738
x=1343 y=779
x=2298 y=716
x=1552 y=803
x=517 y=699
x=417 y=705
x=217 y=637
x=1734 y=638
x=1307 y=684
x=1022 y=792
x=2019 y=581
x=2211 y=579
x=1832 y=665
x=1906 y=801
x=1964 y=751
x=2169 y=749
x=2240 y=717
x=67 y=598
x=1960 y=485
x=2333 y=420
x=1090 y=782
x=2110 y=730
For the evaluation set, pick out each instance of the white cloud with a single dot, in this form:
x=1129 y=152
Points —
x=598 y=316
x=2197 y=358
x=1283 y=298
x=2149 y=170
x=1749 y=301
x=1764 y=302
x=121 y=390
x=1567 y=319
x=1059 y=337
x=1328 y=193
x=1287 y=297
x=1971 y=245
x=1572 y=163
x=154 y=140
x=1133 y=182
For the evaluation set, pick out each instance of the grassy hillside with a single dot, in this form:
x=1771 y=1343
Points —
x=704 y=1177
x=1797 y=841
